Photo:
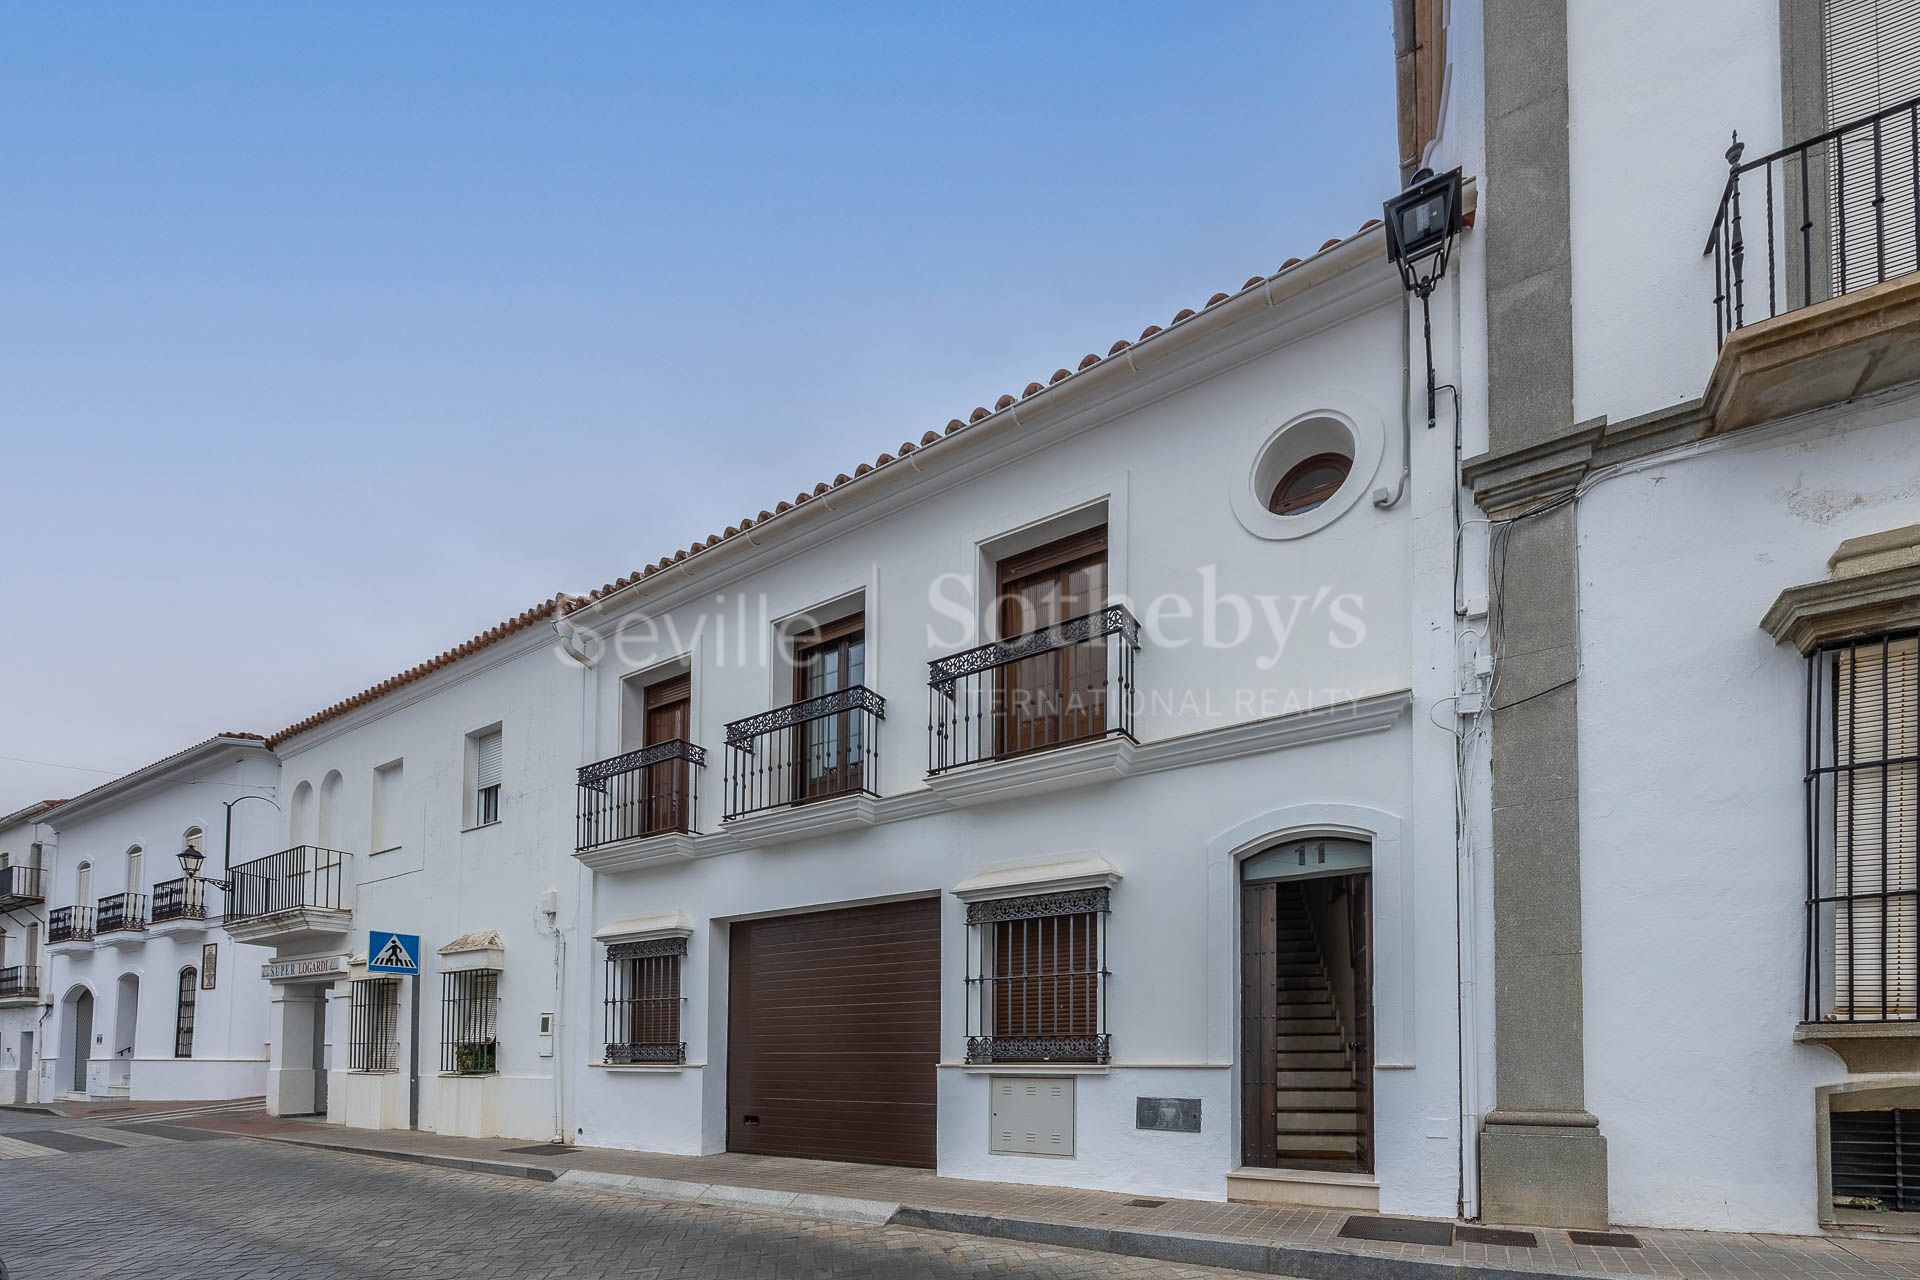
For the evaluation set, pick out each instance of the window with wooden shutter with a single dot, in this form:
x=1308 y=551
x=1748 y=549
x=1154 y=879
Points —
x=1871 y=51
x=486 y=777
x=643 y=1001
x=1864 y=796
x=1037 y=978
x=373 y=1025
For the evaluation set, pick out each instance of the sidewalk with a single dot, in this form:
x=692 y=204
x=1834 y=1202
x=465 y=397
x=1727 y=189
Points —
x=1258 y=1238
x=126 y=1109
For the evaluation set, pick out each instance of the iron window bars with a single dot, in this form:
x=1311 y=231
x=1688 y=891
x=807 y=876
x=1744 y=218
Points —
x=121 y=911
x=19 y=980
x=811 y=750
x=373 y=1025
x=305 y=876
x=183 y=1013
x=1876 y=1159
x=1067 y=683
x=1037 y=978
x=70 y=924
x=643 y=1001
x=648 y=792
x=470 y=1022
x=1862 y=960
x=1837 y=215
x=180 y=899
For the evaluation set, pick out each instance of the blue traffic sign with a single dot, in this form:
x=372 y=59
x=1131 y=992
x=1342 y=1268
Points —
x=393 y=952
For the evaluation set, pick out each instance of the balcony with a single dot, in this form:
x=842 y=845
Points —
x=302 y=894
x=22 y=886
x=21 y=982
x=69 y=924
x=179 y=906
x=1816 y=295
x=120 y=919
x=639 y=806
x=1064 y=692
x=805 y=768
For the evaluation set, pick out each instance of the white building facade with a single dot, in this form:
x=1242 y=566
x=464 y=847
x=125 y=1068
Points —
x=150 y=998
x=27 y=848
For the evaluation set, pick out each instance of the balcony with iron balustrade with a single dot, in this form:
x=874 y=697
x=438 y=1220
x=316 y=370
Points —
x=70 y=928
x=120 y=920
x=19 y=985
x=181 y=906
x=640 y=806
x=22 y=887
x=1816 y=293
x=297 y=896
x=1051 y=708
x=804 y=769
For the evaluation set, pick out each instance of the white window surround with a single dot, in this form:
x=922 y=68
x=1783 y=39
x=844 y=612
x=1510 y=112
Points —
x=1357 y=428
x=1021 y=529
x=479 y=949
x=1019 y=878
x=660 y=924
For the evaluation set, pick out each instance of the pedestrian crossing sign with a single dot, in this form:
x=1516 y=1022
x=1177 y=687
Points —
x=393 y=952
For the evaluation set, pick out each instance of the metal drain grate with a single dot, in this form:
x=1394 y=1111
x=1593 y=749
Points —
x=1398 y=1230
x=1496 y=1235
x=1605 y=1239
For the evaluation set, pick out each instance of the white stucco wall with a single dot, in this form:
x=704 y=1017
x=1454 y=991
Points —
x=1692 y=818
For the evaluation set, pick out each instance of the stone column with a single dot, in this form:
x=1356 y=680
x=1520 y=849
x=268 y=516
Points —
x=1542 y=1157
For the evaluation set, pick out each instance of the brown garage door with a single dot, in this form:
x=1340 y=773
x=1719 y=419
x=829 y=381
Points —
x=834 y=1033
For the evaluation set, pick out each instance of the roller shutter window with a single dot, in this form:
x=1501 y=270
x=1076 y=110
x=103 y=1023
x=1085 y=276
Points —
x=1872 y=63
x=486 y=778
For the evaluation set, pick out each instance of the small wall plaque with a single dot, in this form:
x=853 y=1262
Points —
x=209 y=965
x=1169 y=1115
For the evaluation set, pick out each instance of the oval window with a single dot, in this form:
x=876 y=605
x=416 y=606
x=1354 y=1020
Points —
x=1309 y=483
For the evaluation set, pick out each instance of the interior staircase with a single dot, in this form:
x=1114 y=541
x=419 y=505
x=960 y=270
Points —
x=1316 y=1100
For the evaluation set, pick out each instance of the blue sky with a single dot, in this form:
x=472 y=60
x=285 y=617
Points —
x=333 y=334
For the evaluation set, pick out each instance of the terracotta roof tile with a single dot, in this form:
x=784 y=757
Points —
x=493 y=635
x=228 y=736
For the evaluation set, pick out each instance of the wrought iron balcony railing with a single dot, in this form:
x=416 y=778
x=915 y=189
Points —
x=813 y=750
x=22 y=885
x=649 y=792
x=1835 y=214
x=181 y=899
x=303 y=877
x=121 y=911
x=18 y=981
x=1065 y=684
x=70 y=924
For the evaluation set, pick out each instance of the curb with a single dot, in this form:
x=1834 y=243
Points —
x=502 y=1168
x=869 y=1213
x=30 y=1110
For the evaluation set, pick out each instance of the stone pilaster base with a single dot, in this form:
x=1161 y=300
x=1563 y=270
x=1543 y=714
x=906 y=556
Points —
x=1543 y=1170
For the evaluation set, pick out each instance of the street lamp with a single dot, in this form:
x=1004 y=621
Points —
x=191 y=860
x=1421 y=224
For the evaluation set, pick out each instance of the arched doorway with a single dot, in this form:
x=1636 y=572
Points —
x=1306 y=1005
x=71 y=1068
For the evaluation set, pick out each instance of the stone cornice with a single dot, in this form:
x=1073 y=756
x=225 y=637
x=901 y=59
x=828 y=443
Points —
x=1506 y=483
x=1875 y=587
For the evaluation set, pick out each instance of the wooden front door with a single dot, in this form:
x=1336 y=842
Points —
x=669 y=716
x=1360 y=945
x=1259 y=1024
x=834 y=1034
x=1058 y=696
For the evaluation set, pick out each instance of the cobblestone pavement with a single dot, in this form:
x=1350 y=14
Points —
x=147 y=1203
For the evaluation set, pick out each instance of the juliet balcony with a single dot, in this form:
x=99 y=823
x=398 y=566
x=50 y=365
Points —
x=805 y=768
x=1814 y=247
x=20 y=982
x=639 y=805
x=1065 y=692
x=22 y=886
x=302 y=894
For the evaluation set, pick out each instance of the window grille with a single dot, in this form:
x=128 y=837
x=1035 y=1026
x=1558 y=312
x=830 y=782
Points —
x=183 y=1017
x=643 y=1001
x=373 y=1042
x=469 y=1022
x=1876 y=1159
x=1863 y=817
x=1037 y=978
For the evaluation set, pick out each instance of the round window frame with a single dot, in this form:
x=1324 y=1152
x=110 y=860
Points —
x=1305 y=433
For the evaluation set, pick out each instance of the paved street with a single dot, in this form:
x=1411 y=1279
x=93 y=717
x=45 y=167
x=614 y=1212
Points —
x=90 y=1200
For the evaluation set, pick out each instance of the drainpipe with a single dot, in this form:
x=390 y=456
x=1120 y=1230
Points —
x=1381 y=498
